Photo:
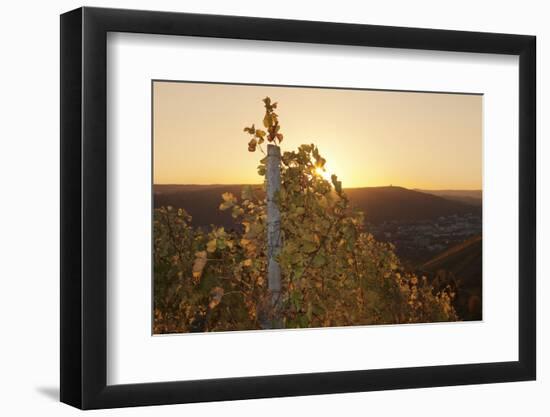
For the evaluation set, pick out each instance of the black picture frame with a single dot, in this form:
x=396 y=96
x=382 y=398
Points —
x=84 y=207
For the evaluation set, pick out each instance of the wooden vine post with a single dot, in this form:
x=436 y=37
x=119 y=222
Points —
x=273 y=185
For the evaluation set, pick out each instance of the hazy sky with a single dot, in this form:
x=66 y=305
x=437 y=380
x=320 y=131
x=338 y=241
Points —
x=369 y=138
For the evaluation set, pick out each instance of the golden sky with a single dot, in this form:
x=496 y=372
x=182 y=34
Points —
x=369 y=138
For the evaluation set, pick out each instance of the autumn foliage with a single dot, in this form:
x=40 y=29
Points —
x=334 y=273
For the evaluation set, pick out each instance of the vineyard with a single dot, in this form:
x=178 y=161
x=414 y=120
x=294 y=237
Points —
x=331 y=270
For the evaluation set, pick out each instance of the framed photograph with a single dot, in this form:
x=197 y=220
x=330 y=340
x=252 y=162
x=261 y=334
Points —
x=256 y=208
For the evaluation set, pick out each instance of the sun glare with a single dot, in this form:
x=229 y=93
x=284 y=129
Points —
x=323 y=173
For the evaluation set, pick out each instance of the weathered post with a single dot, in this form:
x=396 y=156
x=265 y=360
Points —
x=273 y=180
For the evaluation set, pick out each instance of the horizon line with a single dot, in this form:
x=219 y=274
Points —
x=362 y=186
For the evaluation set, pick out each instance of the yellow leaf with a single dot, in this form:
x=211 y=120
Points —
x=199 y=264
x=211 y=246
x=267 y=120
x=228 y=197
x=252 y=145
x=215 y=296
x=229 y=201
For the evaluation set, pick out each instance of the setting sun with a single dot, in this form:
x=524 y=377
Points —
x=322 y=172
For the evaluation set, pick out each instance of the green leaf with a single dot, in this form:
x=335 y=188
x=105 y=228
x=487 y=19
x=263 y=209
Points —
x=247 y=193
x=298 y=272
x=319 y=260
x=296 y=298
x=309 y=247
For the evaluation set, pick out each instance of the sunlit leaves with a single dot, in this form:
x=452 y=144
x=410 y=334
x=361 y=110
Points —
x=237 y=212
x=212 y=245
x=215 y=296
x=267 y=120
x=261 y=170
x=272 y=126
x=199 y=264
x=229 y=201
x=253 y=230
x=252 y=145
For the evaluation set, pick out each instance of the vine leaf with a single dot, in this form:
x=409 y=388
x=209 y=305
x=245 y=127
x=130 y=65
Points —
x=216 y=295
x=199 y=264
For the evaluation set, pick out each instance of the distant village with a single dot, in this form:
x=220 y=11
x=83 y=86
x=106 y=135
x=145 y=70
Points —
x=419 y=241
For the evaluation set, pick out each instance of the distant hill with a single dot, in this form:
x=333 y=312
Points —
x=378 y=203
x=398 y=203
x=460 y=266
x=200 y=201
x=472 y=197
